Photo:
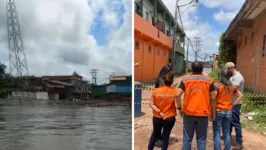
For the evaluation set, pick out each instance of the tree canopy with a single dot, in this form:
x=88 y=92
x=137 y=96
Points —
x=226 y=51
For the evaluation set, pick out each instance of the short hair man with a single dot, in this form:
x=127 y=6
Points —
x=199 y=104
x=237 y=80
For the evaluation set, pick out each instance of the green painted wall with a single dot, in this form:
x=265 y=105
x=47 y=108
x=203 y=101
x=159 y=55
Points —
x=98 y=90
x=179 y=64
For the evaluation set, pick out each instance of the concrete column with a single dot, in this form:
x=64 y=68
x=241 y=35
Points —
x=164 y=14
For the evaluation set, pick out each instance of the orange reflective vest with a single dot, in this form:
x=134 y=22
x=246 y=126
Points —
x=224 y=97
x=197 y=95
x=164 y=100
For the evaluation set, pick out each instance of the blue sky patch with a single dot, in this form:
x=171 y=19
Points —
x=99 y=30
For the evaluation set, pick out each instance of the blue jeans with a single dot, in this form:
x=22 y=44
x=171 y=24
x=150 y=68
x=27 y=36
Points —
x=192 y=123
x=158 y=125
x=236 y=123
x=222 y=120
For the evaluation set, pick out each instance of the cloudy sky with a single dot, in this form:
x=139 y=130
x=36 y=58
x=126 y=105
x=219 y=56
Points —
x=63 y=36
x=208 y=20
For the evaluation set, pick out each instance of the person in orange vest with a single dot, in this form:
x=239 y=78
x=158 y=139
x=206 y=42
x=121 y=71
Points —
x=164 y=111
x=164 y=70
x=224 y=104
x=199 y=104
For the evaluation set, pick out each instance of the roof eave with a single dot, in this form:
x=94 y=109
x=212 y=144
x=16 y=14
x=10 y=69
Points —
x=237 y=18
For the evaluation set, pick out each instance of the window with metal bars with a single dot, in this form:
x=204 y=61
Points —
x=149 y=49
x=137 y=45
x=158 y=51
x=264 y=46
x=252 y=37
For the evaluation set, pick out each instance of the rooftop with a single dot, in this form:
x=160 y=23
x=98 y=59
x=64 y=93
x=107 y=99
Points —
x=245 y=18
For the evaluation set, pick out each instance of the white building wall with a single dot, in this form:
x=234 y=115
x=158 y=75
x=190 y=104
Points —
x=147 y=8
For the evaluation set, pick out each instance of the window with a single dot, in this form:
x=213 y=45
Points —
x=164 y=53
x=137 y=44
x=239 y=46
x=158 y=52
x=252 y=37
x=137 y=8
x=264 y=46
x=149 y=49
x=246 y=41
x=147 y=16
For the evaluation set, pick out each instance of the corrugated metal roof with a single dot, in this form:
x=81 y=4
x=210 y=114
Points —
x=60 y=82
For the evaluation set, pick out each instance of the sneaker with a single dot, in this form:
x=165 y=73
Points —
x=238 y=147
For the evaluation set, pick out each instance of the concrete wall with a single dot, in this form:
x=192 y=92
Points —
x=42 y=95
x=151 y=62
x=250 y=61
x=31 y=95
x=149 y=8
x=110 y=89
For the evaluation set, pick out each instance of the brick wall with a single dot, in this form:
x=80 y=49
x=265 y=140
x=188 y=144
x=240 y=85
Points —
x=250 y=61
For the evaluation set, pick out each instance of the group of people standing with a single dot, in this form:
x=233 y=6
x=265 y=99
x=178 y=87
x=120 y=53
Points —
x=203 y=101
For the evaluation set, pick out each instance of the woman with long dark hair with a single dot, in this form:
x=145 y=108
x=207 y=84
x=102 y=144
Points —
x=225 y=92
x=164 y=110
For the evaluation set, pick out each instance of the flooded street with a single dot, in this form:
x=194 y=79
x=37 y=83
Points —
x=49 y=127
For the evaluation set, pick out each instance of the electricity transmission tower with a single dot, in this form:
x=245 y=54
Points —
x=94 y=76
x=198 y=46
x=17 y=58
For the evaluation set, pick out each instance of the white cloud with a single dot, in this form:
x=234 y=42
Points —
x=224 y=4
x=224 y=17
x=194 y=26
x=56 y=39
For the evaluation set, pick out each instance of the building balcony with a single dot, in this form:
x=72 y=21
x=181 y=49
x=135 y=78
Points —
x=147 y=31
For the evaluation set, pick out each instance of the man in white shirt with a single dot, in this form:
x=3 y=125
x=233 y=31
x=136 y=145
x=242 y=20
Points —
x=237 y=80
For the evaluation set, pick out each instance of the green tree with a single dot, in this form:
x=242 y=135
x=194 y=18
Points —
x=226 y=51
x=6 y=81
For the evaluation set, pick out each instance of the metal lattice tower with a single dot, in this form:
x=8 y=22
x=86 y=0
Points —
x=17 y=58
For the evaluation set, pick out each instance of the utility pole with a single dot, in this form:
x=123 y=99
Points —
x=94 y=76
x=174 y=37
x=187 y=54
x=197 y=41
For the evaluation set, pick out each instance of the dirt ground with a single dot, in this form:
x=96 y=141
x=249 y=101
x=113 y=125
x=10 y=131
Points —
x=143 y=129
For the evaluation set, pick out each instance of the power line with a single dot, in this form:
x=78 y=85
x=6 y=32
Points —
x=94 y=76
x=197 y=41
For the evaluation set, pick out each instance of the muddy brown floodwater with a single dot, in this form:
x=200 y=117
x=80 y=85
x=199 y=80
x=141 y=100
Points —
x=68 y=127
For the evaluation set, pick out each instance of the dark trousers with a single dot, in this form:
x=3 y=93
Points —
x=158 y=125
x=192 y=123
x=236 y=123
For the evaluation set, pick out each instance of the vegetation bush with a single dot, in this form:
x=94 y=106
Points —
x=214 y=75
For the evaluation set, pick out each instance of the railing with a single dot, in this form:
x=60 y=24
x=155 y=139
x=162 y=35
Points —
x=150 y=87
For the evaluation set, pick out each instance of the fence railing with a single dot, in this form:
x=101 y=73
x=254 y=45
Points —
x=149 y=87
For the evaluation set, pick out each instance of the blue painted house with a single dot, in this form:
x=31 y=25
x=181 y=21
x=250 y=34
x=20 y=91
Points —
x=120 y=84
